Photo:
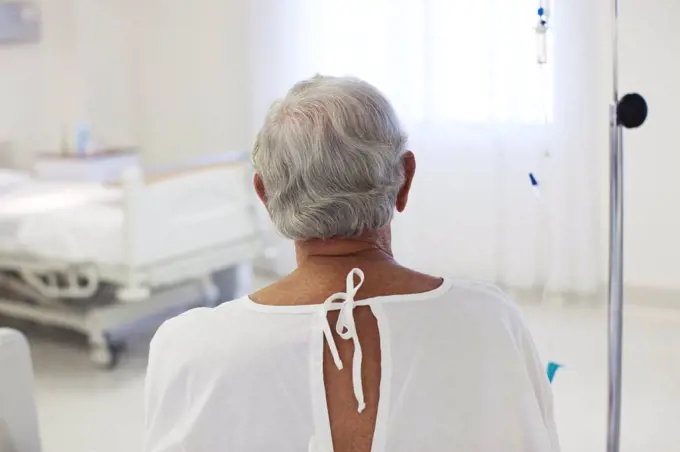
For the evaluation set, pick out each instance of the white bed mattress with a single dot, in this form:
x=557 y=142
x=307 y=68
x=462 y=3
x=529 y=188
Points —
x=65 y=222
x=10 y=179
x=87 y=233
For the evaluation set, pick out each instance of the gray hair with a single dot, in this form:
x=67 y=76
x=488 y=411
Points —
x=330 y=158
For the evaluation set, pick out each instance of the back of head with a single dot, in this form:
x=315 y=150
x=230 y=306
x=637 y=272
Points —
x=329 y=156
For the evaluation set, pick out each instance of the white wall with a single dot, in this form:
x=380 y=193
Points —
x=193 y=77
x=104 y=72
x=78 y=72
x=650 y=65
x=168 y=77
x=34 y=82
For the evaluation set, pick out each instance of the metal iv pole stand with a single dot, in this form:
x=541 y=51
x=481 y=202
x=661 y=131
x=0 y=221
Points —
x=629 y=112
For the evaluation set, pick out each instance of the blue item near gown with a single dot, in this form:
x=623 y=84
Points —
x=552 y=370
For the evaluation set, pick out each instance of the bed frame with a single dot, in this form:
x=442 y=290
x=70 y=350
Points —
x=179 y=228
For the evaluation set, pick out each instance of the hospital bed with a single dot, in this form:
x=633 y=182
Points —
x=96 y=258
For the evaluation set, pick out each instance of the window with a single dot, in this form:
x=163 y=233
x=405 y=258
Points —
x=467 y=61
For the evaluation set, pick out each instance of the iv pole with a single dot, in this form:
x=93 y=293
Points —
x=628 y=112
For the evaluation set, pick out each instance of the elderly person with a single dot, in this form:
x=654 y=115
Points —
x=351 y=352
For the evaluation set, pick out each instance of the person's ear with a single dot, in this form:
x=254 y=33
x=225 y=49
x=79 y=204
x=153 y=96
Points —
x=259 y=188
x=409 y=164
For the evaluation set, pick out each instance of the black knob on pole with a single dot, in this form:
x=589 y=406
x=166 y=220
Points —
x=631 y=111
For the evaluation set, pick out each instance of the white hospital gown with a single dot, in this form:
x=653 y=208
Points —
x=459 y=372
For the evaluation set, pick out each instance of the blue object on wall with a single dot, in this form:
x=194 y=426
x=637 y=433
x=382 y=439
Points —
x=552 y=370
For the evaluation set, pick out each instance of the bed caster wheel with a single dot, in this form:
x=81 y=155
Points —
x=106 y=356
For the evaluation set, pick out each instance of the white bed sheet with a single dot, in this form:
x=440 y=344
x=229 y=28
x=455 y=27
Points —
x=10 y=179
x=37 y=197
x=65 y=222
x=87 y=233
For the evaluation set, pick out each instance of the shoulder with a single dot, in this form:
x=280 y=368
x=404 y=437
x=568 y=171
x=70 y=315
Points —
x=191 y=334
x=482 y=295
x=483 y=301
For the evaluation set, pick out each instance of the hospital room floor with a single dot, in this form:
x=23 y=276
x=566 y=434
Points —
x=82 y=409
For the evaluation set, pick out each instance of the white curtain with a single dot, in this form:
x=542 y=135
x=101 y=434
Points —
x=481 y=114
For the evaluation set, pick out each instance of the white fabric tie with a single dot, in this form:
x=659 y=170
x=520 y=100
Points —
x=346 y=329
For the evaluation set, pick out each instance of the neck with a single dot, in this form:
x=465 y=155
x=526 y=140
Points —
x=374 y=246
